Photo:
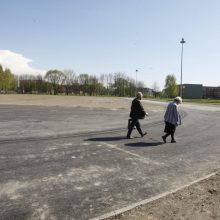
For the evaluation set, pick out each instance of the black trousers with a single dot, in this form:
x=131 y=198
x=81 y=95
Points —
x=170 y=129
x=135 y=122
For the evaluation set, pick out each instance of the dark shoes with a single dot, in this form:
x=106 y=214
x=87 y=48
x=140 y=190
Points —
x=129 y=137
x=143 y=134
x=164 y=139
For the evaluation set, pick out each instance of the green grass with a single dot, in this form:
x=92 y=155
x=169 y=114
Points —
x=215 y=101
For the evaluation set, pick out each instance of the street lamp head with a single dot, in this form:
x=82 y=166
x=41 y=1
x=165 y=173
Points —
x=182 y=41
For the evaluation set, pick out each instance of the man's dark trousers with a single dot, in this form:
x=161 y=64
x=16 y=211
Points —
x=135 y=122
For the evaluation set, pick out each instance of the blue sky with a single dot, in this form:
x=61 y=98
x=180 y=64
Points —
x=107 y=36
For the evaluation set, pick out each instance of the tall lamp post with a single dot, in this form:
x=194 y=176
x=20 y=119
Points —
x=181 y=78
x=18 y=85
x=136 y=83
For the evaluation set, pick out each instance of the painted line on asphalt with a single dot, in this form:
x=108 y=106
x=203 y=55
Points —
x=145 y=201
x=139 y=157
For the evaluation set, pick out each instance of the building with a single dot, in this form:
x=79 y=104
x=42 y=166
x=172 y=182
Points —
x=148 y=92
x=192 y=91
x=198 y=91
x=211 y=92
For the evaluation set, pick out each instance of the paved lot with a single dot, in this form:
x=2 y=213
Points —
x=19 y=122
x=74 y=163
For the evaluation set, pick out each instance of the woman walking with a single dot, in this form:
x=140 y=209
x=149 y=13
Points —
x=172 y=119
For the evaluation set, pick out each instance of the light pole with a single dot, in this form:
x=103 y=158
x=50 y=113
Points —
x=18 y=85
x=136 y=83
x=181 y=78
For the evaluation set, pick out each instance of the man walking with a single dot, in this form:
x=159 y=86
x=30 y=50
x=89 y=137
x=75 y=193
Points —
x=137 y=112
x=172 y=118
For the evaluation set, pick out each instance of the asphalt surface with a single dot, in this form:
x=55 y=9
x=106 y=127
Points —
x=58 y=163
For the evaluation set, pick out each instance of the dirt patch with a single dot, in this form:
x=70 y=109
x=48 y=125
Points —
x=64 y=101
x=200 y=201
x=74 y=101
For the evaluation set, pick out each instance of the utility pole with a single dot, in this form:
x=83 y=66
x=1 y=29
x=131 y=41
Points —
x=136 y=82
x=181 y=78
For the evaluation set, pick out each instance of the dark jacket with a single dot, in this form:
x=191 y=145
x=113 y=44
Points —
x=137 y=110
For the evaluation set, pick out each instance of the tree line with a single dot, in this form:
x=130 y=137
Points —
x=7 y=80
x=69 y=83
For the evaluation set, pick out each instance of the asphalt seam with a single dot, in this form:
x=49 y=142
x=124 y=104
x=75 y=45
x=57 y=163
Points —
x=145 y=201
x=140 y=158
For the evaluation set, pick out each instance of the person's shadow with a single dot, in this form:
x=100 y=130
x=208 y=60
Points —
x=144 y=144
x=118 y=138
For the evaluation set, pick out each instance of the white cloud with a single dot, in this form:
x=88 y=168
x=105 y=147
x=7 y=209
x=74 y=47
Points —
x=18 y=64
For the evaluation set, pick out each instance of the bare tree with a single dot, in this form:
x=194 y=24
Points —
x=69 y=81
x=156 y=89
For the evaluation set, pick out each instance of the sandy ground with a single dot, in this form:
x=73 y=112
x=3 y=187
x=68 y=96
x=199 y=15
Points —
x=75 y=101
x=200 y=201
x=66 y=101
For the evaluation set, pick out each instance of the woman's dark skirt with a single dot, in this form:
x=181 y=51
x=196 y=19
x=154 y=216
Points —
x=169 y=128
